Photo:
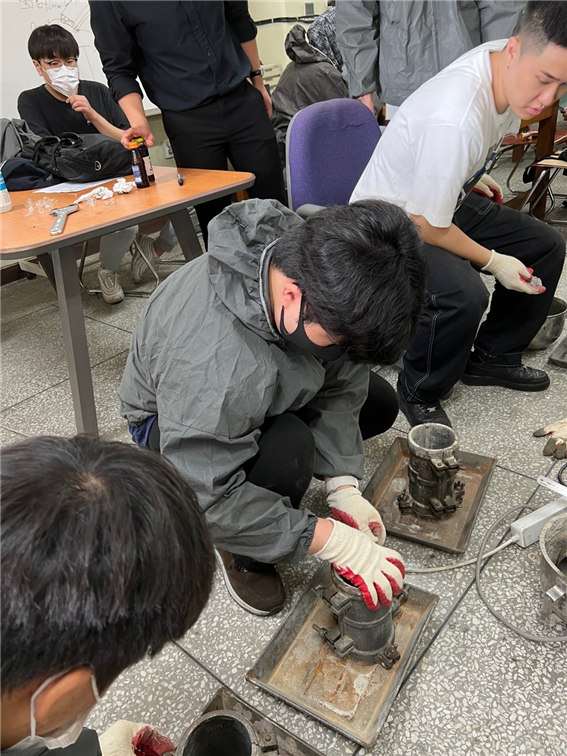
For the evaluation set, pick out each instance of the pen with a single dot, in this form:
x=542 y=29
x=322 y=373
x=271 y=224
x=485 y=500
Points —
x=180 y=179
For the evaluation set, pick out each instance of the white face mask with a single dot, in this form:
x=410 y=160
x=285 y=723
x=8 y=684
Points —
x=64 y=79
x=61 y=737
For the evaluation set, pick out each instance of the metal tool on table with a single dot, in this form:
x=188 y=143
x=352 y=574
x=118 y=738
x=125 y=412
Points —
x=61 y=213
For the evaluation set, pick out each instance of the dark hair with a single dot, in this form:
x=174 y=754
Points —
x=362 y=273
x=52 y=41
x=105 y=557
x=543 y=23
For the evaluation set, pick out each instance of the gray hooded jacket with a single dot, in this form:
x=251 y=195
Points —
x=208 y=360
x=392 y=47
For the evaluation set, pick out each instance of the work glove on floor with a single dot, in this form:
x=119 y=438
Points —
x=511 y=273
x=376 y=571
x=490 y=188
x=557 y=443
x=349 y=506
x=127 y=738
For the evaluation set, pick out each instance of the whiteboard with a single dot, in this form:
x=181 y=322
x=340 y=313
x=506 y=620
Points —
x=18 y=19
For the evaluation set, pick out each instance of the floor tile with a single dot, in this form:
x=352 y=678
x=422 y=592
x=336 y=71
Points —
x=35 y=341
x=20 y=298
x=8 y=436
x=51 y=411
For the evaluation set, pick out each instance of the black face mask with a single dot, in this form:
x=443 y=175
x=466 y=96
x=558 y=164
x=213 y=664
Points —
x=302 y=340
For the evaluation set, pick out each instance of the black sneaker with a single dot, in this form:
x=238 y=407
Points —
x=418 y=413
x=259 y=593
x=515 y=377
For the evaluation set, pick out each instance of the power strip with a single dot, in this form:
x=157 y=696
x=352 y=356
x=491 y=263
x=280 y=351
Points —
x=528 y=528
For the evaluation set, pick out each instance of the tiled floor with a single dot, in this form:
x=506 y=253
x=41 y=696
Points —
x=474 y=687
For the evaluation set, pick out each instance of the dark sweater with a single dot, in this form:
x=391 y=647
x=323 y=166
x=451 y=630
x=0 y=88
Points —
x=48 y=116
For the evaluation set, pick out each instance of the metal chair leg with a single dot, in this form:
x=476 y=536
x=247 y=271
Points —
x=126 y=293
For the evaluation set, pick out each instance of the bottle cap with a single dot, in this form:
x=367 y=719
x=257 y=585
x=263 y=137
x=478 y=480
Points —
x=133 y=145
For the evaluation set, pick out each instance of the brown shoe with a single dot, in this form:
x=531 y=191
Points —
x=258 y=592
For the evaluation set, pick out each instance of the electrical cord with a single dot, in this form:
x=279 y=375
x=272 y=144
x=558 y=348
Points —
x=560 y=475
x=425 y=570
x=509 y=625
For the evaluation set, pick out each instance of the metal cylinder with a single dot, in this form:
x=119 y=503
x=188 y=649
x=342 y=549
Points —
x=433 y=491
x=219 y=733
x=553 y=567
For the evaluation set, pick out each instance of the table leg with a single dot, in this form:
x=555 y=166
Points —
x=75 y=339
x=47 y=264
x=186 y=234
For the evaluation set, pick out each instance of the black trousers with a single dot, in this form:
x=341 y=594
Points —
x=457 y=299
x=286 y=448
x=234 y=127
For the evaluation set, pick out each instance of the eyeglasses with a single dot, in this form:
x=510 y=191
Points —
x=56 y=63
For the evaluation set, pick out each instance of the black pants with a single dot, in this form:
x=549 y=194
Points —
x=286 y=448
x=235 y=127
x=458 y=299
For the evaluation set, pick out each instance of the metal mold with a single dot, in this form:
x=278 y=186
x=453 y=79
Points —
x=301 y=668
x=360 y=633
x=451 y=530
x=264 y=734
x=553 y=326
x=553 y=567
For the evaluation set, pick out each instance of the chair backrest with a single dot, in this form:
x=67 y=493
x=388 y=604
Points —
x=328 y=146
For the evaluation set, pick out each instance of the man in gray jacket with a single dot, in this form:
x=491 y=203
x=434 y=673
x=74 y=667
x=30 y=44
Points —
x=246 y=371
x=392 y=47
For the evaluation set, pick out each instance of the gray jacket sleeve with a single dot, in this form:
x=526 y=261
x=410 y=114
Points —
x=358 y=37
x=338 y=441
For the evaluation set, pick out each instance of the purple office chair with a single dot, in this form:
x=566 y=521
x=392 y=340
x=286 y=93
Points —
x=328 y=145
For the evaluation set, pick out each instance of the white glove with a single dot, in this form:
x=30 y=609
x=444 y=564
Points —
x=349 y=506
x=123 y=736
x=376 y=571
x=511 y=273
x=487 y=185
x=557 y=444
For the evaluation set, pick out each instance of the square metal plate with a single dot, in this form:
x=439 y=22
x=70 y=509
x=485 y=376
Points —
x=354 y=699
x=451 y=534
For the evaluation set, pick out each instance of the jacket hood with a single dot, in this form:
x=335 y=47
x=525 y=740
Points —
x=237 y=261
x=298 y=48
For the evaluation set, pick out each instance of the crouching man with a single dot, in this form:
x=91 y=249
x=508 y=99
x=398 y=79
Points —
x=249 y=370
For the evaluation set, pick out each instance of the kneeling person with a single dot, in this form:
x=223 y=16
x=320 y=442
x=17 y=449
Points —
x=247 y=371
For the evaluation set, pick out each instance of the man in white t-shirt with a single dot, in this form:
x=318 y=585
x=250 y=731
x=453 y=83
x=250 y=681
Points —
x=439 y=145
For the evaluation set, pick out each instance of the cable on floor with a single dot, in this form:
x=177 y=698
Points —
x=519 y=631
x=426 y=570
x=560 y=475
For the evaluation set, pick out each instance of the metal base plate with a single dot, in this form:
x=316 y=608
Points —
x=287 y=744
x=354 y=699
x=451 y=534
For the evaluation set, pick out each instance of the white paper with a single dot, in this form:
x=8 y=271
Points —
x=67 y=187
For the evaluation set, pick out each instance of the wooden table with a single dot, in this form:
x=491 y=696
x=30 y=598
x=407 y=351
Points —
x=22 y=236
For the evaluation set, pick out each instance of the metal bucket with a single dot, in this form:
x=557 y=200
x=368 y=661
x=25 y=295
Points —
x=553 y=567
x=220 y=733
x=553 y=327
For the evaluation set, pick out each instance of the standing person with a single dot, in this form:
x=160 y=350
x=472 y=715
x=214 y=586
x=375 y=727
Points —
x=199 y=63
x=105 y=559
x=435 y=150
x=65 y=102
x=249 y=370
x=392 y=47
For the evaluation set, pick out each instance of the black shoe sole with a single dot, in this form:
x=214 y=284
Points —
x=407 y=414
x=485 y=380
x=236 y=597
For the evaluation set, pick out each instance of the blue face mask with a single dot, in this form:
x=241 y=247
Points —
x=302 y=340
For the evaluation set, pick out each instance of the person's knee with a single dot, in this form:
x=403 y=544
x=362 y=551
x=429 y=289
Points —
x=380 y=409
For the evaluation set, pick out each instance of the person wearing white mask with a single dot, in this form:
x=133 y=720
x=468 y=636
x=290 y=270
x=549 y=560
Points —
x=105 y=558
x=66 y=102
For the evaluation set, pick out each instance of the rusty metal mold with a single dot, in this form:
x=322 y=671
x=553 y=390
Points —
x=451 y=530
x=265 y=736
x=553 y=567
x=360 y=633
x=351 y=697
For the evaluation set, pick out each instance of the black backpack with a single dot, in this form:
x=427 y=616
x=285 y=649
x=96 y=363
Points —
x=21 y=174
x=82 y=158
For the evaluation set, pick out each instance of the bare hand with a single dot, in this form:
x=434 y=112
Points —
x=138 y=130
x=80 y=104
x=367 y=100
x=261 y=87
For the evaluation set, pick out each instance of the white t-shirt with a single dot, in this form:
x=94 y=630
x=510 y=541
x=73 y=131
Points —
x=441 y=137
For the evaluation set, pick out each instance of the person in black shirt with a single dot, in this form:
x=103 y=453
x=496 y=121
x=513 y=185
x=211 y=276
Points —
x=67 y=103
x=194 y=60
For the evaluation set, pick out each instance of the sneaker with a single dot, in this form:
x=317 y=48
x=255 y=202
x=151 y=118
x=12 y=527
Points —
x=139 y=265
x=110 y=288
x=259 y=593
x=418 y=413
x=515 y=377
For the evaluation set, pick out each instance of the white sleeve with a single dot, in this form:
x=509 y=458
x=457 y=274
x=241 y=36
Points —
x=444 y=157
